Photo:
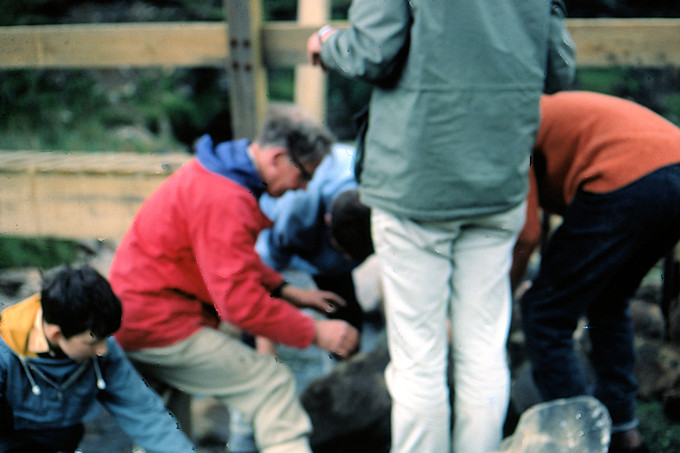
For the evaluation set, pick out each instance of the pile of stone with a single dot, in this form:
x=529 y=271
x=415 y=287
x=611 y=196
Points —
x=349 y=404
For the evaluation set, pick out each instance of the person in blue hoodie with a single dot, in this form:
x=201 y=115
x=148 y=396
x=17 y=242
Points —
x=58 y=360
x=300 y=237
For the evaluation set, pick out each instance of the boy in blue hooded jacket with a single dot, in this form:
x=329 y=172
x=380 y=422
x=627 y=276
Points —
x=300 y=236
x=57 y=360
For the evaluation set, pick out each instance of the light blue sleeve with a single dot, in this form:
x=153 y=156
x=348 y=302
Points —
x=296 y=230
x=299 y=215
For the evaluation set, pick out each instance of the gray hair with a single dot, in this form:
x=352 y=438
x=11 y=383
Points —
x=305 y=139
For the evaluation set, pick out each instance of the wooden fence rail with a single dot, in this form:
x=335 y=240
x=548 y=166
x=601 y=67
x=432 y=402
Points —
x=77 y=195
x=600 y=42
x=57 y=195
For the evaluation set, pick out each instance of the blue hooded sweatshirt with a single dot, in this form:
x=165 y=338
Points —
x=299 y=238
x=230 y=159
x=39 y=393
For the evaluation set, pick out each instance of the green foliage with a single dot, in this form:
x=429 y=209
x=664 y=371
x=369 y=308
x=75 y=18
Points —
x=43 y=12
x=143 y=110
x=279 y=9
x=657 y=89
x=281 y=84
x=600 y=80
x=43 y=253
x=42 y=106
x=151 y=110
x=31 y=12
x=339 y=9
x=673 y=104
x=660 y=434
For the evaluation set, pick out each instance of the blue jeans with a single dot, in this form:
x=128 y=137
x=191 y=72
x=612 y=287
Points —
x=46 y=440
x=592 y=266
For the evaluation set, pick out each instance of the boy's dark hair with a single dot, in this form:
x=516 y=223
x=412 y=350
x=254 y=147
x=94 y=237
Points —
x=350 y=225
x=78 y=300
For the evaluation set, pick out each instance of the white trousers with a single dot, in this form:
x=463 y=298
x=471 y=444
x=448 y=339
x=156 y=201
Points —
x=434 y=272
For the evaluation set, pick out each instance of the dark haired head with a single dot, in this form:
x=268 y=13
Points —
x=350 y=226
x=306 y=140
x=78 y=300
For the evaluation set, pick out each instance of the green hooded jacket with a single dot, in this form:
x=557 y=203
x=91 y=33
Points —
x=455 y=106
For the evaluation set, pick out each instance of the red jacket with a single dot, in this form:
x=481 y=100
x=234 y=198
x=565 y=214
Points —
x=189 y=257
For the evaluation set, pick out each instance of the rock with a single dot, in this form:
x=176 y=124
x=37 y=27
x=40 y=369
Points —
x=648 y=321
x=657 y=368
x=350 y=406
x=98 y=254
x=671 y=405
x=674 y=323
x=210 y=422
x=18 y=284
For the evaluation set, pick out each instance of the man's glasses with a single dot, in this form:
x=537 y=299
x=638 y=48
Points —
x=307 y=176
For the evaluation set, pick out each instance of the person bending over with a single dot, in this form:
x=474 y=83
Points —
x=58 y=360
x=188 y=263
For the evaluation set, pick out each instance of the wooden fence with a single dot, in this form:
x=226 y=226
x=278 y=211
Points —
x=95 y=195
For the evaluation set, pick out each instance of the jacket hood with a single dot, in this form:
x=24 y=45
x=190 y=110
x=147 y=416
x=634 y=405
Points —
x=231 y=160
x=16 y=322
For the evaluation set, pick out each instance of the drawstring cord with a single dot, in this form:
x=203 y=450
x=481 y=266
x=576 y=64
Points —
x=101 y=384
x=34 y=386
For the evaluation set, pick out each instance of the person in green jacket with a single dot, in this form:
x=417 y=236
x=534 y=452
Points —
x=443 y=166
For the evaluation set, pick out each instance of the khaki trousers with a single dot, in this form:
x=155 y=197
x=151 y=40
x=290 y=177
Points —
x=213 y=363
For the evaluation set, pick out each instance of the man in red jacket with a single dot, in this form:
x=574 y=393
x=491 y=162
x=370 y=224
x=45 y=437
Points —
x=611 y=169
x=188 y=261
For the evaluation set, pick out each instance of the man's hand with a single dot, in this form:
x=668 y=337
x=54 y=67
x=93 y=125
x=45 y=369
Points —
x=314 y=50
x=322 y=301
x=314 y=43
x=336 y=337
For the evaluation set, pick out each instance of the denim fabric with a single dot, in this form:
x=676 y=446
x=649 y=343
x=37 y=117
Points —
x=41 y=440
x=592 y=266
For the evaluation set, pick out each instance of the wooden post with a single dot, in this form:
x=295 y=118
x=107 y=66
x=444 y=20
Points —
x=311 y=81
x=247 y=75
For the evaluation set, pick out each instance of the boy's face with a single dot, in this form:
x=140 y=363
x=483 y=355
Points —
x=336 y=246
x=82 y=346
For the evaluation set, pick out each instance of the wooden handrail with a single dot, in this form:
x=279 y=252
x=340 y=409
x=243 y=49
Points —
x=600 y=43
x=77 y=197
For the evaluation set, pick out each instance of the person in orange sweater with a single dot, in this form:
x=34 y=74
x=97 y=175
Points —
x=611 y=169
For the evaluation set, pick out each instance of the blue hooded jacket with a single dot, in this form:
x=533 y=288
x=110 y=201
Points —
x=51 y=393
x=299 y=238
x=230 y=159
